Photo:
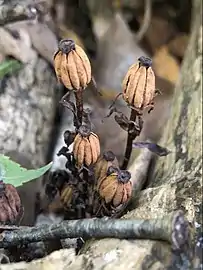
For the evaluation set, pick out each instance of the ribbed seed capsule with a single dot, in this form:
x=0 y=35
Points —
x=66 y=196
x=115 y=188
x=103 y=163
x=86 y=147
x=11 y=210
x=139 y=84
x=72 y=65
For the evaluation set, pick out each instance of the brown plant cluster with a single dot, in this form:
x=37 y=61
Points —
x=96 y=185
x=11 y=210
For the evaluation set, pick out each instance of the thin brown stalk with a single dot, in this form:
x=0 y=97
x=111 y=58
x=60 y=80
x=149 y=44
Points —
x=130 y=139
x=79 y=105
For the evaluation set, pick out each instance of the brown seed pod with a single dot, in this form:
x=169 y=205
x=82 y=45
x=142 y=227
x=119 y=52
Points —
x=86 y=147
x=72 y=65
x=139 y=84
x=11 y=210
x=103 y=163
x=66 y=196
x=115 y=188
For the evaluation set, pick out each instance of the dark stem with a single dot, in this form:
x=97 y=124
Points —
x=85 y=174
x=79 y=105
x=130 y=139
x=172 y=228
x=88 y=177
x=89 y=190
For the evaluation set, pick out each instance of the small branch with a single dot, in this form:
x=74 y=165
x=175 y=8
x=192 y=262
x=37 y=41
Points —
x=10 y=12
x=11 y=227
x=146 y=21
x=79 y=105
x=172 y=228
x=130 y=139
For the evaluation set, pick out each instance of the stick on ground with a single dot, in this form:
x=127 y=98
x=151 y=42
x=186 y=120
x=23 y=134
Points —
x=172 y=228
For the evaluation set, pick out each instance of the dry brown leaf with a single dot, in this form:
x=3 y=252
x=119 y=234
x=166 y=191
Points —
x=18 y=48
x=178 y=45
x=166 y=65
x=158 y=33
x=42 y=38
x=117 y=51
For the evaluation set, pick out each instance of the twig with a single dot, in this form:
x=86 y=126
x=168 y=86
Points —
x=79 y=105
x=11 y=227
x=146 y=21
x=130 y=139
x=172 y=228
x=10 y=12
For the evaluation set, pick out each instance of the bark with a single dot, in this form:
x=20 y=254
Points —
x=183 y=134
x=27 y=110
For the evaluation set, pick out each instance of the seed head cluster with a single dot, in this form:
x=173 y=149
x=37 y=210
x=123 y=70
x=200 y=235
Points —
x=111 y=185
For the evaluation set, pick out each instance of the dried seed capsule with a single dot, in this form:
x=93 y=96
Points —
x=72 y=65
x=66 y=195
x=11 y=210
x=115 y=188
x=139 y=84
x=86 y=147
x=103 y=163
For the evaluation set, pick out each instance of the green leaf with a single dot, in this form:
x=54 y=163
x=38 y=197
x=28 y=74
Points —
x=8 y=67
x=12 y=173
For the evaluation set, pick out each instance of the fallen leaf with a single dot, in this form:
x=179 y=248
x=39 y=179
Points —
x=117 y=51
x=41 y=37
x=158 y=33
x=153 y=147
x=165 y=65
x=178 y=45
x=19 y=48
x=12 y=172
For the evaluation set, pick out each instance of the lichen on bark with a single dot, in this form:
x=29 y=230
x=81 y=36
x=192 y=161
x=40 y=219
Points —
x=183 y=132
x=28 y=101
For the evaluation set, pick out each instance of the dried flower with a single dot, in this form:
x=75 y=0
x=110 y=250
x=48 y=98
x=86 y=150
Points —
x=86 y=147
x=10 y=204
x=66 y=195
x=139 y=84
x=72 y=65
x=116 y=188
x=103 y=163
